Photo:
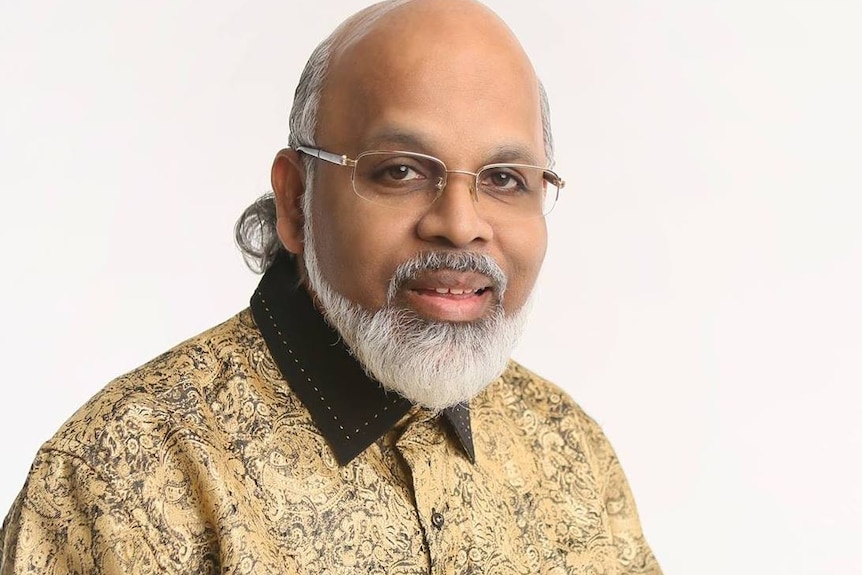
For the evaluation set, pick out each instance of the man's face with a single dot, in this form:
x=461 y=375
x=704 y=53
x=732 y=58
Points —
x=448 y=90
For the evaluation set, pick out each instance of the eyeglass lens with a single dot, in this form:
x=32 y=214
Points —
x=411 y=181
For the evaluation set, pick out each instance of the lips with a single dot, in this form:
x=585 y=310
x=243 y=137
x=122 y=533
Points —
x=449 y=281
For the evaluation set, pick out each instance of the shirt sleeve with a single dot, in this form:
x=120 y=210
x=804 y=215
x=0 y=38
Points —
x=633 y=554
x=67 y=519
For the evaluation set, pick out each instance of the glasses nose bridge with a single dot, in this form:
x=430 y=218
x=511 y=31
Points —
x=443 y=181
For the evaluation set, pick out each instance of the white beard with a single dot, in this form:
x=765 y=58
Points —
x=434 y=364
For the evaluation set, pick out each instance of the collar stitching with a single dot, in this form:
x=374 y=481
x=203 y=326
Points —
x=301 y=369
x=323 y=400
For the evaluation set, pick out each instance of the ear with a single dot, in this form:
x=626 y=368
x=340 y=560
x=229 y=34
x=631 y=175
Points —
x=288 y=185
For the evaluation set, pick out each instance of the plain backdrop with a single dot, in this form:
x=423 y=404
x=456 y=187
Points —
x=701 y=293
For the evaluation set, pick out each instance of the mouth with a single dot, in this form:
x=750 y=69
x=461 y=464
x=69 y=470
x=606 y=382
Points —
x=445 y=295
x=457 y=292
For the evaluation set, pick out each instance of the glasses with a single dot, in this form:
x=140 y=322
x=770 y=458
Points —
x=413 y=181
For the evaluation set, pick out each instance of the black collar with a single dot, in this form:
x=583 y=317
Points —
x=350 y=409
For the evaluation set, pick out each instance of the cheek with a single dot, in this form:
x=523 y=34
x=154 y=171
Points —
x=357 y=250
x=523 y=251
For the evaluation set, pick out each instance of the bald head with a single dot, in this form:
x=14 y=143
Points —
x=431 y=68
x=416 y=17
x=414 y=44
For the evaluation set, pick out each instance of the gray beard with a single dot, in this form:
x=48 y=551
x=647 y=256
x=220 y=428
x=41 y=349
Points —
x=431 y=363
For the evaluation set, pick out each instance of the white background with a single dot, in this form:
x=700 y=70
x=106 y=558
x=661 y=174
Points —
x=701 y=295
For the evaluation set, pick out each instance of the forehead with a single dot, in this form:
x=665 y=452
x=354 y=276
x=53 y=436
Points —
x=445 y=81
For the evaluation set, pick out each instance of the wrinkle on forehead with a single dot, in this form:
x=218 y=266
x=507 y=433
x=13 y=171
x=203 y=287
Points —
x=398 y=139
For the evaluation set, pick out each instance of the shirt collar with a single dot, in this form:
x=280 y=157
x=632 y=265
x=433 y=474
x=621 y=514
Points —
x=351 y=409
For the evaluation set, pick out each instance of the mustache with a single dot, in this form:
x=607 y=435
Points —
x=455 y=261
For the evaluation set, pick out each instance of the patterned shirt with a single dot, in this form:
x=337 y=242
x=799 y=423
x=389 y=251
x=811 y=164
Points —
x=212 y=458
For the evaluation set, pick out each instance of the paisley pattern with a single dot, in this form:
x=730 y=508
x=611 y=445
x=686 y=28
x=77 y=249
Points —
x=203 y=461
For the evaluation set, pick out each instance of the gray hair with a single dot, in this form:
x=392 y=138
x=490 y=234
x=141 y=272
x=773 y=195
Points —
x=255 y=231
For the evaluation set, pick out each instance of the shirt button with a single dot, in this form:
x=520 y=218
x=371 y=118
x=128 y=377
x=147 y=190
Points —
x=437 y=519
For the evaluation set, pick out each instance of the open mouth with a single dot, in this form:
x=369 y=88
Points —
x=451 y=304
x=450 y=295
x=457 y=291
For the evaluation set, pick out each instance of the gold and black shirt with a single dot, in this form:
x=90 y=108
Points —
x=261 y=446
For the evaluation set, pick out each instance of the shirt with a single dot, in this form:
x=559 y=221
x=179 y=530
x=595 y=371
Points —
x=261 y=446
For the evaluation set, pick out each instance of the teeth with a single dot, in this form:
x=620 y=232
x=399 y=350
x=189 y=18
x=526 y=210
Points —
x=453 y=291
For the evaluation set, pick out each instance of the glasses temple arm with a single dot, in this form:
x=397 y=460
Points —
x=339 y=159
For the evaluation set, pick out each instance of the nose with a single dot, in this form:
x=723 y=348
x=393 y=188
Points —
x=454 y=218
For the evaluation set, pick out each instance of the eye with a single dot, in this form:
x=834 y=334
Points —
x=400 y=172
x=502 y=179
x=394 y=171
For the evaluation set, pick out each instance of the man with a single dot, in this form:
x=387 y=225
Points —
x=362 y=416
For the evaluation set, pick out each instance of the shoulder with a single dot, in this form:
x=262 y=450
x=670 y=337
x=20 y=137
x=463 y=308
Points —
x=543 y=408
x=524 y=391
x=148 y=450
x=191 y=389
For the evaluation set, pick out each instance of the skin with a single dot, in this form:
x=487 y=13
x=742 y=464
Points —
x=461 y=89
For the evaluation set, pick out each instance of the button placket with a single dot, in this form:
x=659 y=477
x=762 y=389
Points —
x=428 y=460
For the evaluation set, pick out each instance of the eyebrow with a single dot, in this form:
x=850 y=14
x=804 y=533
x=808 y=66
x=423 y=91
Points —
x=513 y=153
x=411 y=141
